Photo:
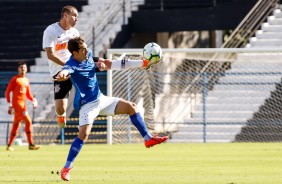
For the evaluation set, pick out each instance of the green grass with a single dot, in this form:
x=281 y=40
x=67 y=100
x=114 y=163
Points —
x=226 y=163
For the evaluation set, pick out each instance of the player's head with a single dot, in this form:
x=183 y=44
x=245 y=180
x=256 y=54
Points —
x=78 y=48
x=22 y=68
x=69 y=15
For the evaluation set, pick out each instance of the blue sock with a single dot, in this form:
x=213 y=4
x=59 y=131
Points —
x=74 y=150
x=139 y=123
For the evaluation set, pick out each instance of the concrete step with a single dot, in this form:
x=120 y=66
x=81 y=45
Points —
x=3 y=101
x=4 y=116
x=39 y=77
x=42 y=115
x=257 y=70
x=261 y=44
x=229 y=107
x=277 y=13
x=266 y=64
x=222 y=121
x=271 y=87
x=239 y=93
x=271 y=28
x=209 y=128
x=39 y=68
x=250 y=79
x=42 y=89
x=223 y=114
x=260 y=58
x=267 y=43
x=268 y=35
x=43 y=54
x=234 y=100
x=228 y=137
x=41 y=61
x=272 y=20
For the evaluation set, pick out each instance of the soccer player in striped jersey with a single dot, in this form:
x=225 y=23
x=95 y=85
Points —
x=82 y=68
x=20 y=88
x=55 y=44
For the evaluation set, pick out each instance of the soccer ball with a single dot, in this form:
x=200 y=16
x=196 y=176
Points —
x=152 y=52
x=18 y=142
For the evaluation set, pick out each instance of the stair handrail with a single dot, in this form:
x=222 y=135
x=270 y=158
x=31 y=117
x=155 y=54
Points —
x=252 y=21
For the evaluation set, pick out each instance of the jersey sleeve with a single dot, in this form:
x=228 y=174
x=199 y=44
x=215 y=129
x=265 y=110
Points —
x=10 y=88
x=68 y=68
x=48 y=38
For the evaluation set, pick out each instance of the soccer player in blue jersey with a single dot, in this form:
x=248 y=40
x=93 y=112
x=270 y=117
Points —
x=81 y=68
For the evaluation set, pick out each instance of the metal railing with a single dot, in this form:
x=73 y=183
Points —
x=250 y=24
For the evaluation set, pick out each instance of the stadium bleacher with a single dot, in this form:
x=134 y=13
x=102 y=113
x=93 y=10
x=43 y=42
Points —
x=250 y=110
x=22 y=24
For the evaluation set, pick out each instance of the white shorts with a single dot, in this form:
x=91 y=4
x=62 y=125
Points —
x=103 y=106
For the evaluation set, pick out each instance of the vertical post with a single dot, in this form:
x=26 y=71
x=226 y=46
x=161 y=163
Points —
x=62 y=133
x=109 y=93
x=129 y=99
x=7 y=133
x=33 y=112
x=109 y=130
x=93 y=40
x=204 y=94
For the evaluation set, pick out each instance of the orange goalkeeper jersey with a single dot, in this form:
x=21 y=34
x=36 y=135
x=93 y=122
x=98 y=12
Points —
x=20 y=87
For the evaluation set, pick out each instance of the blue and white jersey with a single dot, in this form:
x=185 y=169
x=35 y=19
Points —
x=83 y=77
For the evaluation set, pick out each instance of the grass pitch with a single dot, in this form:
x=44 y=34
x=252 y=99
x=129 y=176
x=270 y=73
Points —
x=226 y=163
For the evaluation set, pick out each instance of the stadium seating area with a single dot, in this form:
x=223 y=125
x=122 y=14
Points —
x=250 y=111
x=22 y=26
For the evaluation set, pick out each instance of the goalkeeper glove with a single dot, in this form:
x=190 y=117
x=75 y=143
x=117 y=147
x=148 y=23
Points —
x=35 y=103
x=10 y=109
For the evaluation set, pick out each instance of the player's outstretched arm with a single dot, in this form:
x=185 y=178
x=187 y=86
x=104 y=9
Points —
x=124 y=64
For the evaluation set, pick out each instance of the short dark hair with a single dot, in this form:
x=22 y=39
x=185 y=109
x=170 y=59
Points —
x=74 y=44
x=67 y=9
x=21 y=63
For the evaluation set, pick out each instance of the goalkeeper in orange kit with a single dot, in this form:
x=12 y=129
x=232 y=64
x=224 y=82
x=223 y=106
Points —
x=20 y=87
